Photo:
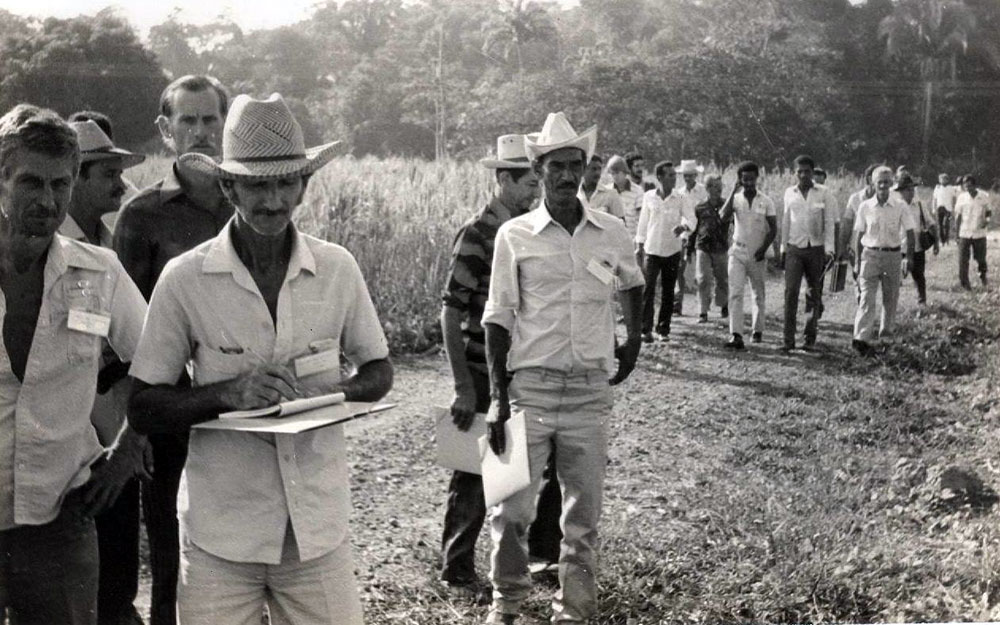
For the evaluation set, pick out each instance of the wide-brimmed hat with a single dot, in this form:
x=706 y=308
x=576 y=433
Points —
x=95 y=145
x=261 y=139
x=510 y=154
x=557 y=133
x=905 y=182
x=689 y=167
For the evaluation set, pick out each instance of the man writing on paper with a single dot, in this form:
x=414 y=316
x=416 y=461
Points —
x=550 y=348
x=465 y=342
x=263 y=516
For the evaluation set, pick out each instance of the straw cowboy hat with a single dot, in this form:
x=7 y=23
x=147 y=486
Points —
x=510 y=154
x=261 y=139
x=557 y=133
x=689 y=167
x=96 y=146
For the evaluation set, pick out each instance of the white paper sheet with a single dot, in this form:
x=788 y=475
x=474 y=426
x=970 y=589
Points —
x=457 y=449
x=507 y=474
x=302 y=422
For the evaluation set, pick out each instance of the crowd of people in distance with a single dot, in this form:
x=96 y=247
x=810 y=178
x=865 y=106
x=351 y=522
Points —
x=127 y=328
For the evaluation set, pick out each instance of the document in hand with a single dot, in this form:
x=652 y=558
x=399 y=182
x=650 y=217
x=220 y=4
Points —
x=287 y=408
x=457 y=449
x=303 y=421
x=506 y=474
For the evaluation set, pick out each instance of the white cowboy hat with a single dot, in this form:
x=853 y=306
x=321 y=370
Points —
x=689 y=167
x=95 y=145
x=557 y=133
x=510 y=154
x=261 y=139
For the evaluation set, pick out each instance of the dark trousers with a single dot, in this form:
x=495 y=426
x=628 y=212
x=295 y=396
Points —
x=159 y=509
x=944 y=223
x=665 y=268
x=917 y=270
x=48 y=573
x=118 y=547
x=807 y=262
x=977 y=247
x=465 y=512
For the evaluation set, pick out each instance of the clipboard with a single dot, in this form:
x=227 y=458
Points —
x=302 y=422
x=456 y=449
x=509 y=473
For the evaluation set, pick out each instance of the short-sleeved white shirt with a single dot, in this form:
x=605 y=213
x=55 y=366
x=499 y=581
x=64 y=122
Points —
x=883 y=225
x=973 y=211
x=750 y=219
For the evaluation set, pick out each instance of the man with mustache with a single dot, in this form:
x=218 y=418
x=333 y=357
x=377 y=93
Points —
x=60 y=300
x=166 y=219
x=92 y=211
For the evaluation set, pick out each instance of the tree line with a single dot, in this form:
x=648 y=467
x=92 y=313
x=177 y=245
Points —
x=905 y=81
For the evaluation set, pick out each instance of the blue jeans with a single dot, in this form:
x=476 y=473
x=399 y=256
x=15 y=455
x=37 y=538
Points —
x=48 y=573
x=465 y=513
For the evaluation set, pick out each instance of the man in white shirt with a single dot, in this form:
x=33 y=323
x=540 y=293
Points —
x=972 y=212
x=629 y=192
x=695 y=193
x=880 y=225
x=756 y=227
x=596 y=196
x=665 y=216
x=945 y=194
x=807 y=231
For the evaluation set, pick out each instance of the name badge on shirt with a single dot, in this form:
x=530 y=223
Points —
x=315 y=363
x=600 y=271
x=88 y=322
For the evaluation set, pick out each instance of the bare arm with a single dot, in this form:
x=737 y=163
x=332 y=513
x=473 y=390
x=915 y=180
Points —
x=463 y=408
x=772 y=231
x=628 y=354
x=497 y=349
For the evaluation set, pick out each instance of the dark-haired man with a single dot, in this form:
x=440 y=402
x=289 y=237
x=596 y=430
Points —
x=593 y=195
x=637 y=171
x=104 y=123
x=945 y=194
x=60 y=298
x=166 y=219
x=972 y=214
x=464 y=297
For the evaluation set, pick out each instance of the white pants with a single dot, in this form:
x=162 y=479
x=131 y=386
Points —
x=743 y=266
x=877 y=268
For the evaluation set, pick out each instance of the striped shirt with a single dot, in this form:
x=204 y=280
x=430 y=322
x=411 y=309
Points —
x=468 y=284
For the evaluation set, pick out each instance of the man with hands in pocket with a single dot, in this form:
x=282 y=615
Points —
x=261 y=313
x=550 y=349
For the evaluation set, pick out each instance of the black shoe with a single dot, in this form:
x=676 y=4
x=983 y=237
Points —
x=757 y=337
x=787 y=348
x=736 y=342
x=663 y=336
x=724 y=313
x=861 y=347
x=810 y=343
x=647 y=337
x=703 y=318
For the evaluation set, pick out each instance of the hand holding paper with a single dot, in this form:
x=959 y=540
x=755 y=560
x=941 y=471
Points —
x=265 y=385
x=507 y=473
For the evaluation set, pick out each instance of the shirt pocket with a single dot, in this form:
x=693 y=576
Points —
x=216 y=365
x=81 y=347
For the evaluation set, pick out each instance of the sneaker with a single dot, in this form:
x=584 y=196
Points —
x=736 y=342
x=757 y=337
x=724 y=313
x=647 y=337
x=703 y=318
x=462 y=591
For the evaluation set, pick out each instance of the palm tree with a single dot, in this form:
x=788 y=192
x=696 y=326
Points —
x=934 y=33
x=516 y=23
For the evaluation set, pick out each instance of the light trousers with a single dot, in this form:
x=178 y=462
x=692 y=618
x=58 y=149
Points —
x=742 y=267
x=569 y=410
x=712 y=271
x=878 y=269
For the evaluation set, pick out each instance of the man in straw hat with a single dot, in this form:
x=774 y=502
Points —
x=881 y=225
x=694 y=193
x=62 y=299
x=550 y=350
x=92 y=212
x=464 y=297
x=261 y=312
x=926 y=234
x=168 y=218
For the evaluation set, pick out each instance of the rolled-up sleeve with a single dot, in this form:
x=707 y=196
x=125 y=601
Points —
x=165 y=346
x=640 y=233
x=128 y=311
x=505 y=297
x=829 y=221
x=363 y=339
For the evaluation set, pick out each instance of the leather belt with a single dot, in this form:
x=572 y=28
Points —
x=885 y=249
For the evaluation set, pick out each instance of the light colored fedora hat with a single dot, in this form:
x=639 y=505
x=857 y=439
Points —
x=261 y=139
x=557 y=133
x=689 y=167
x=510 y=154
x=95 y=145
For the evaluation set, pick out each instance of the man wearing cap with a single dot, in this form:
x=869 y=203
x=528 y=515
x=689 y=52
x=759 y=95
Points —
x=261 y=313
x=755 y=228
x=91 y=216
x=923 y=218
x=694 y=193
x=168 y=218
x=972 y=213
x=551 y=350
x=808 y=245
x=60 y=300
x=710 y=242
x=945 y=194
x=464 y=297
x=596 y=196
x=881 y=224
x=666 y=216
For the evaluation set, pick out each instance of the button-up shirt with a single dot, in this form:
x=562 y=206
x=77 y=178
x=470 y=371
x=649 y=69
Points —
x=239 y=490
x=695 y=195
x=851 y=210
x=160 y=223
x=883 y=225
x=944 y=195
x=47 y=442
x=809 y=220
x=631 y=197
x=974 y=212
x=657 y=220
x=554 y=291
x=604 y=199
x=750 y=219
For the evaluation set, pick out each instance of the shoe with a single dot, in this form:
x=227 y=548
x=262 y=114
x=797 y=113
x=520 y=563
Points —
x=785 y=349
x=810 y=343
x=462 y=591
x=861 y=347
x=757 y=337
x=703 y=318
x=724 y=313
x=736 y=342
x=663 y=336
x=496 y=617
x=647 y=337
x=537 y=567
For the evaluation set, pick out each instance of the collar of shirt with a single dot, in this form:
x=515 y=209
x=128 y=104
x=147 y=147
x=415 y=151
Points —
x=540 y=217
x=221 y=257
